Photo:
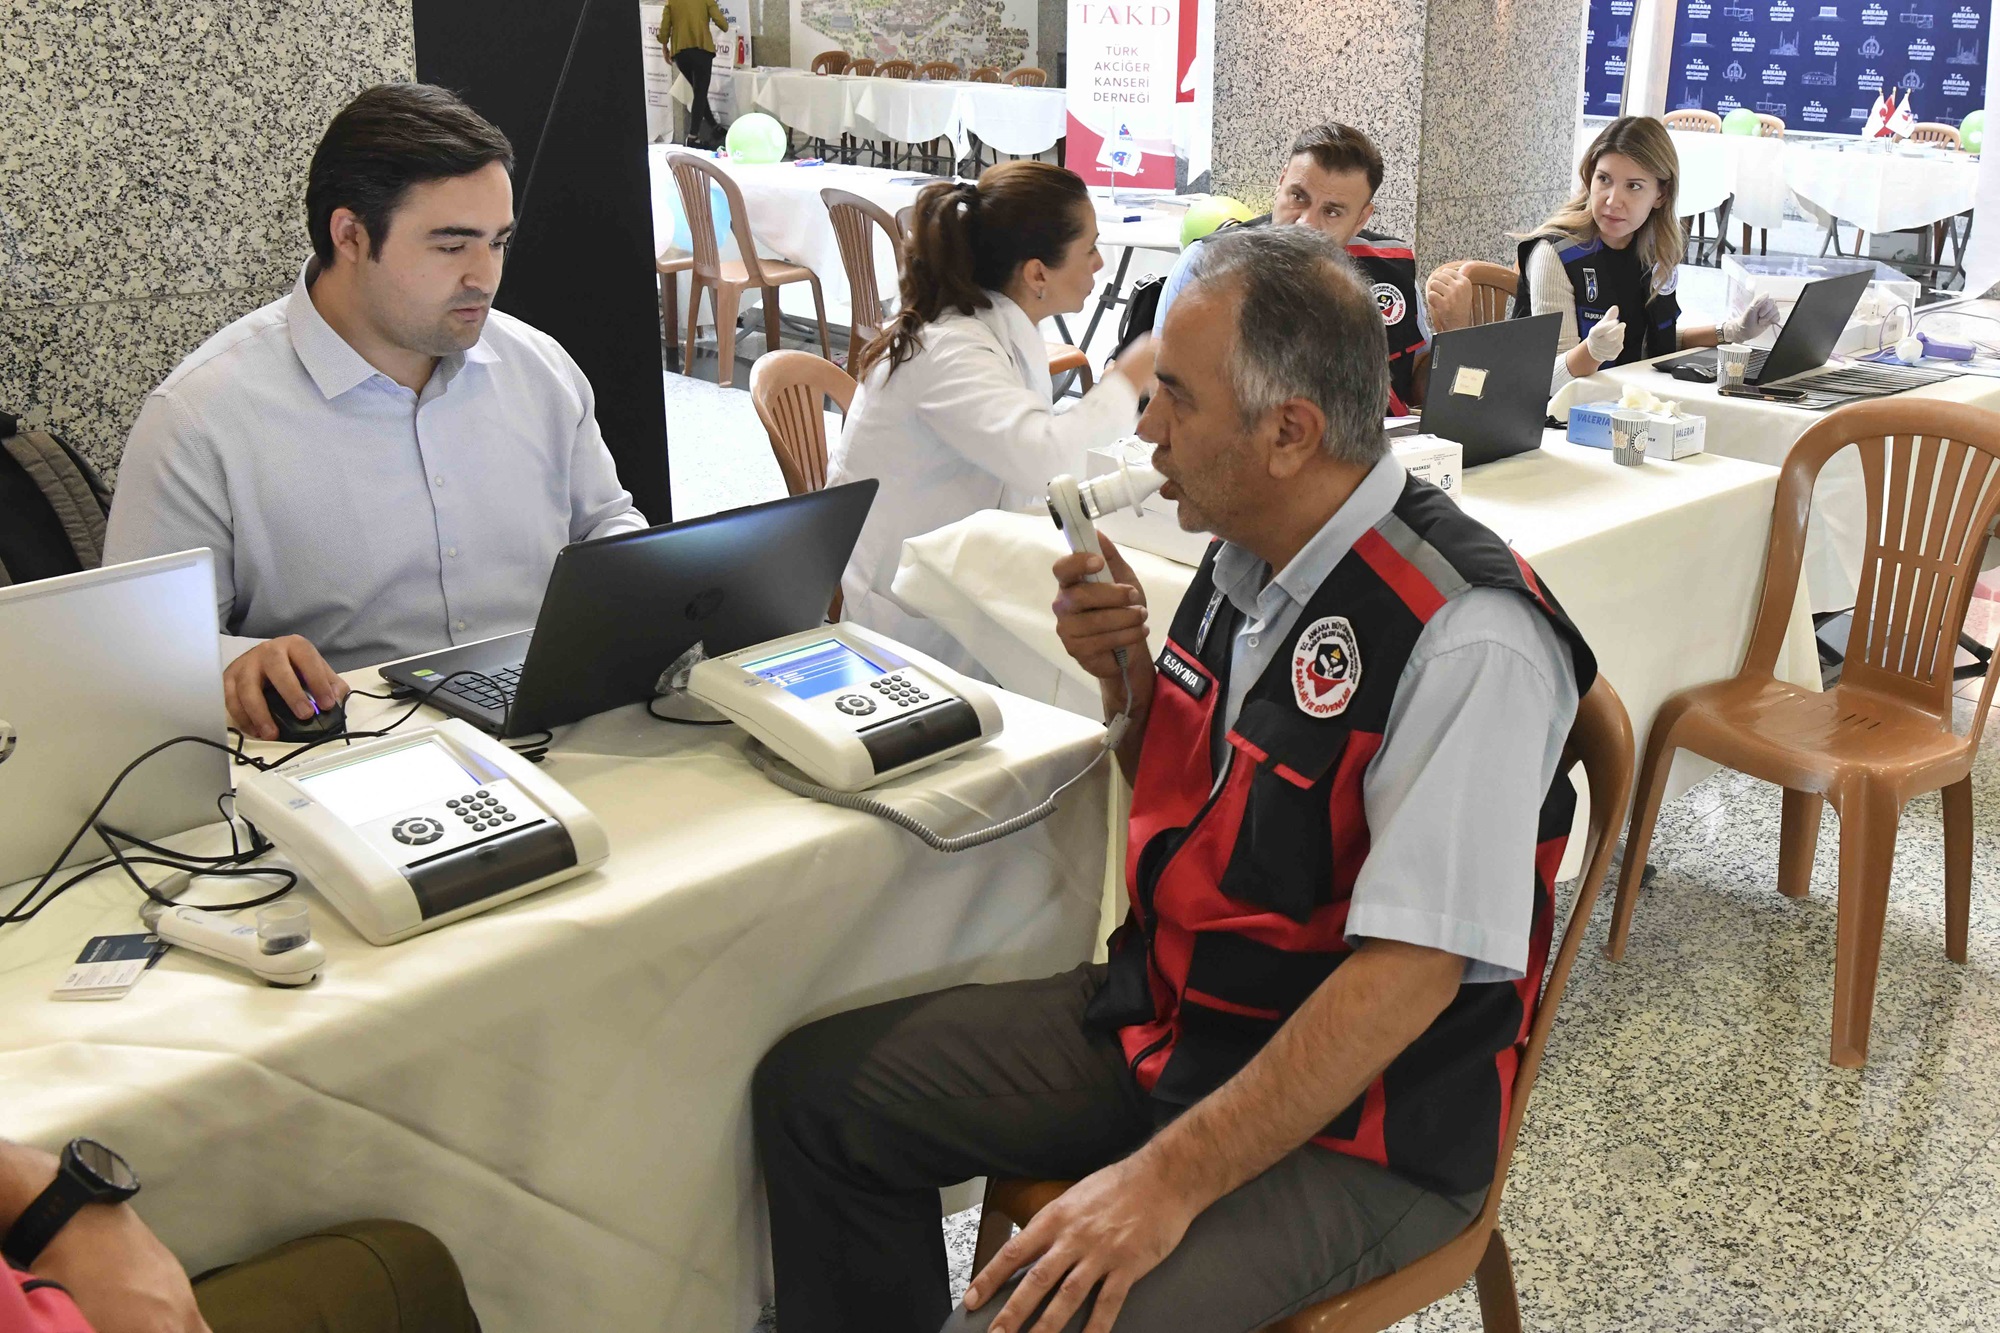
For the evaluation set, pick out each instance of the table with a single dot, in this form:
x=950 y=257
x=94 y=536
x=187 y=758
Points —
x=559 y=1087
x=789 y=221
x=1880 y=191
x=1715 y=167
x=1126 y=228
x=1765 y=433
x=1011 y=119
x=1660 y=566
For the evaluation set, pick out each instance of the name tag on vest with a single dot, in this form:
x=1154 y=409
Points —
x=1180 y=673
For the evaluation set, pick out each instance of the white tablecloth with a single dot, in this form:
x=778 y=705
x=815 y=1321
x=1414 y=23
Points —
x=558 y=1088
x=1023 y=121
x=1660 y=566
x=1882 y=191
x=1716 y=166
x=1765 y=433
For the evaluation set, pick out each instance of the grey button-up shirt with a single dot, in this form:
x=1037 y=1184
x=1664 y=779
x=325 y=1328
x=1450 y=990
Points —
x=1454 y=795
x=376 y=521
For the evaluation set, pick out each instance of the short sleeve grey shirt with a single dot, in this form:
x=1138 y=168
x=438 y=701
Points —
x=1453 y=797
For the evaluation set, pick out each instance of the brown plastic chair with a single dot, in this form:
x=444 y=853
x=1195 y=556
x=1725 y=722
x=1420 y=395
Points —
x=1493 y=289
x=789 y=390
x=1884 y=733
x=1064 y=359
x=1695 y=119
x=1932 y=132
x=830 y=62
x=854 y=222
x=985 y=74
x=786 y=388
x=896 y=69
x=939 y=69
x=726 y=281
x=1601 y=740
x=1028 y=76
x=862 y=68
x=670 y=266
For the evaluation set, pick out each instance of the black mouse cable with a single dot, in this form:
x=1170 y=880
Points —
x=288 y=879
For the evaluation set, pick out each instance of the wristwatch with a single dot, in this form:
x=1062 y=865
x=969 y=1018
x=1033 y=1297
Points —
x=89 y=1172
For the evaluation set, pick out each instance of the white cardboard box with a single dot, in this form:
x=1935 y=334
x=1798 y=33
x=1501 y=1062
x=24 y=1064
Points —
x=1432 y=458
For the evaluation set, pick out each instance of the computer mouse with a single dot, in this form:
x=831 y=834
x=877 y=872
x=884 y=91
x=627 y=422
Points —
x=1696 y=374
x=329 y=721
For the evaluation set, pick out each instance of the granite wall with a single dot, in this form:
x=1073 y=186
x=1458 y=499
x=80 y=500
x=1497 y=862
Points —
x=154 y=157
x=1487 y=87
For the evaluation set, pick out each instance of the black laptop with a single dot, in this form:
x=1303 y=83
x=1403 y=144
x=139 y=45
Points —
x=1489 y=386
x=1807 y=339
x=619 y=611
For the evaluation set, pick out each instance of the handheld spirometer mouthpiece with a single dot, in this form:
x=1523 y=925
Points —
x=1074 y=504
x=279 y=948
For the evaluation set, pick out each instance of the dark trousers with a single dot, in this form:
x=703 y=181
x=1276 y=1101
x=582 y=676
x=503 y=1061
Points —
x=364 y=1277
x=862 y=1117
x=696 y=65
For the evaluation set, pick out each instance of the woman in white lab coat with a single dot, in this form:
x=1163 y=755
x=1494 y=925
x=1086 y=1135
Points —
x=953 y=414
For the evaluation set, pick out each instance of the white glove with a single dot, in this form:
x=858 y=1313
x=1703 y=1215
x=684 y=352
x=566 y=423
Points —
x=1762 y=314
x=1607 y=340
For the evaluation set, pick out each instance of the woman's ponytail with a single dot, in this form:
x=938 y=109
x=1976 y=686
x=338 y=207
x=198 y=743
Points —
x=966 y=237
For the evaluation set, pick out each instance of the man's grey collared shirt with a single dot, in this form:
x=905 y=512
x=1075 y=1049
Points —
x=376 y=521
x=1454 y=795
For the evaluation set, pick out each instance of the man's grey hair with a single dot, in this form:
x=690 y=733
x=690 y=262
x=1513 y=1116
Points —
x=1308 y=327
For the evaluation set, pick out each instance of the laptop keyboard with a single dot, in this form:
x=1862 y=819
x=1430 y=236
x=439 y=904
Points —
x=488 y=689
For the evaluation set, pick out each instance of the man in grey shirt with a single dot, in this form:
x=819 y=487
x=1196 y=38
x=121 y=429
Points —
x=1291 y=1076
x=382 y=464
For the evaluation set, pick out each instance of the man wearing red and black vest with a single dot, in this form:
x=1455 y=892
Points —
x=1293 y=1074
x=1329 y=184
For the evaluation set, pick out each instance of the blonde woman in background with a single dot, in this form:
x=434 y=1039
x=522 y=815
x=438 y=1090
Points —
x=1606 y=260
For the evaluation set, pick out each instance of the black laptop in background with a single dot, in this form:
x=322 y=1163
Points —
x=619 y=611
x=1489 y=387
x=1806 y=341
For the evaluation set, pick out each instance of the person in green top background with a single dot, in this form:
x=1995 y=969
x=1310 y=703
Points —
x=684 y=31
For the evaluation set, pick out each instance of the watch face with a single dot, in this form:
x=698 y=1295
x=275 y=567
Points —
x=106 y=1165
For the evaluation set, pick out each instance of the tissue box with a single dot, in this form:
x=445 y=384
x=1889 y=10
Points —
x=1590 y=423
x=1156 y=528
x=1668 y=437
x=1676 y=437
x=1432 y=458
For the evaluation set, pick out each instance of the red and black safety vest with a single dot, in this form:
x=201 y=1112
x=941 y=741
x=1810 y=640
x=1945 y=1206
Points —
x=1240 y=888
x=1389 y=267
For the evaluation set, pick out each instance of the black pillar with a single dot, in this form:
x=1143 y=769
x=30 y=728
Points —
x=562 y=79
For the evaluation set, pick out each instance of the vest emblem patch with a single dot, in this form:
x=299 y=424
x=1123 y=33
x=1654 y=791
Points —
x=1389 y=300
x=1326 y=667
x=1590 y=285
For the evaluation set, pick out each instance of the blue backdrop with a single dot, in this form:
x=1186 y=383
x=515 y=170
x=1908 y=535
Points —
x=1818 y=64
x=1606 y=42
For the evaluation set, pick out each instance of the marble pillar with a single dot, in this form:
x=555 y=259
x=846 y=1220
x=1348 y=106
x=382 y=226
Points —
x=154 y=155
x=1472 y=102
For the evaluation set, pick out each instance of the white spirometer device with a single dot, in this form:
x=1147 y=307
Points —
x=411 y=831
x=846 y=706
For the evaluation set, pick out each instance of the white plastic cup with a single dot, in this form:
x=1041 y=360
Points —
x=1732 y=363
x=1629 y=429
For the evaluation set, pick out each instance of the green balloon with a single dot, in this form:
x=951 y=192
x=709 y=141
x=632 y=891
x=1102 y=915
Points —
x=1741 y=121
x=1205 y=215
x=756 y=138
x=1972 y=131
